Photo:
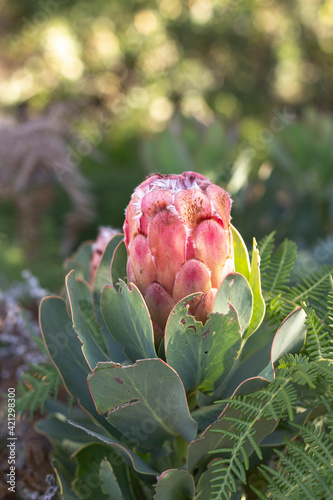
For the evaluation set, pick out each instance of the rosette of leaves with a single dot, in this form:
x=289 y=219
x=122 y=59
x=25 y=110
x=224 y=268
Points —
x=188 y=420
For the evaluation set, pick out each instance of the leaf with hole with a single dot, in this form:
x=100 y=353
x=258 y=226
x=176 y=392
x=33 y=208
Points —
x=202 y=355
x=127 y=318
x=146 y=401
x=235 y=290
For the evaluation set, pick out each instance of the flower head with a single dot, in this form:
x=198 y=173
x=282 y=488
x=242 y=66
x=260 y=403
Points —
x=179 y=241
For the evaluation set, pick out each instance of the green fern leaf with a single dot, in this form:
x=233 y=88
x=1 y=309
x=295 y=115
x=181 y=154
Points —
x=313 y=289
x=305 y=470
x=266 y=247
x=37 y=386
x=276 y=277
x=318 y=344
x=278 y=401
x=329 y=317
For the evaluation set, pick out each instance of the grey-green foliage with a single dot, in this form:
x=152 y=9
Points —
x=296 y=400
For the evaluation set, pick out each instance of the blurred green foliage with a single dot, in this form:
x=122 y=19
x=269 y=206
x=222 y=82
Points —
x=217 y=86
x=144 y=59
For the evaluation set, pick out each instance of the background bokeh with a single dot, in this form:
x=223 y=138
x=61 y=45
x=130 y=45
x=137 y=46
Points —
x=240 y=90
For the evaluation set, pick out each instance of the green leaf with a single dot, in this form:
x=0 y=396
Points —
x=241 y=255
x=251 y=385
x=91 y=350
x=128 y=456
x=278 y=437
x=289 y=339
x=252 y=274
x=65 y=489
x=206 y=415
x=258 y=300
x=84 y=297
x=204 y=487
x=248 y=366
x=244 y=370
x=88 y=484
x=245 y=386
x=65 y=350
x=146 y=401
x=127 y=318
x=108 y=482
x=83 y=257
x=119 y=263
x=201 y=355
x=80 y=262
x=82 y=288
x=175 y=484
x=65 y=439
x=102 y=278
x=235 y=290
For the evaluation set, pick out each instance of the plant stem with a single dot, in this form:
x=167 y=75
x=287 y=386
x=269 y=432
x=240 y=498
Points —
x=180 y=447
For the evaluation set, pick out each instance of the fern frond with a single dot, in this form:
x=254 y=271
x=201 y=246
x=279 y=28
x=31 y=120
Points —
x=306 y=469
x=318 y=345
x=313 y=289
x=276 y=276
x=329 y=317
x=236 y=461
x=303 y=372
x=40 y=344
x=266 y=247
x=37 y=386
x=279 y=398
x=244 y=413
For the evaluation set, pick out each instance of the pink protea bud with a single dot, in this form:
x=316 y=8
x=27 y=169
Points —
x=104 y=236
x=179 y=241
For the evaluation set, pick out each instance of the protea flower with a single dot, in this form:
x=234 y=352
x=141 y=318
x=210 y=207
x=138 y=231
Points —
x=179 y=241
x=105 y=234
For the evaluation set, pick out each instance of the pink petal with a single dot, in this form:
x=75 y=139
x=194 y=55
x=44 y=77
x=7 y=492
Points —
x=166 y=240
x=149 y=180
x=211 y=247
x=221 y=202
x=229 y=267
x=159 y=303
x=131 y=225
x=206 y=305
x=193 y=206
x=142 y=262
x=192 y=277
x=193 y=176
x=190 y=250
x=130 y=272
x=153 y=202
